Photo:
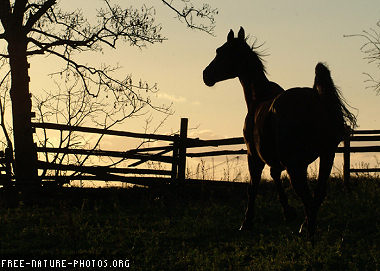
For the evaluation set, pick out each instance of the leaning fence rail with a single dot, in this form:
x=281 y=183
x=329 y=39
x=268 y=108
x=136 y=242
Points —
x=56 y=126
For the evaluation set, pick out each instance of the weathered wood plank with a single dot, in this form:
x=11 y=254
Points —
x=362 y=170
x=62 y=127
x=217 y=153
x=146 y=181
x=194 y=142
x=365 y=149
x=164 y=159
x=366 y=132
x=148 y=158
x=360 y=149
x=101 y=169
x=242 y=151
x=365 y=138
x=162 y=148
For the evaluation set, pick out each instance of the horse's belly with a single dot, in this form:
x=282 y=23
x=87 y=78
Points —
x=267 y=150
x=269 y=158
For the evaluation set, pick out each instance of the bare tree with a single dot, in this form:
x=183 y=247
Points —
x=68 y=104
x=194 y=17
x=42 y=27
x=371 y=48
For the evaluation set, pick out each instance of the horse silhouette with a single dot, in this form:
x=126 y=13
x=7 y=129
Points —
x=287 y=130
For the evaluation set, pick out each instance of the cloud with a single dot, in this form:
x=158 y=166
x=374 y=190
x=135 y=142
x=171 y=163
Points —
x=172 y=98
x=176 y=99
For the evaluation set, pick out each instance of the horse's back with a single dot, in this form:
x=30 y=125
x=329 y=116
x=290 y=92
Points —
x=298 y=125
x=298 y=105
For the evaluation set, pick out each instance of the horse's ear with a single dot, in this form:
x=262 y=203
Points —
x=241 y=34
x=230 y=35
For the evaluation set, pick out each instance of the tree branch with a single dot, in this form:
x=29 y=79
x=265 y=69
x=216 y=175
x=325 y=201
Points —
x=190 y=15
x=45 y=47
x=5 y=13
x=371 y=48
x=38 y=15
x=72 y=30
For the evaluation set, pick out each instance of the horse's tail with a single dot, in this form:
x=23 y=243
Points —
x=332 y=98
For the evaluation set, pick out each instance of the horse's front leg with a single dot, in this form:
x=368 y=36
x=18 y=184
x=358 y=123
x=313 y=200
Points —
x=256 y=167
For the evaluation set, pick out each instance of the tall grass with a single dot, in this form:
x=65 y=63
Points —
x=194 y=227
x=233 y=169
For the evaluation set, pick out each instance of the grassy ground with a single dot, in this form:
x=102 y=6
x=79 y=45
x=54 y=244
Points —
x=195 y=228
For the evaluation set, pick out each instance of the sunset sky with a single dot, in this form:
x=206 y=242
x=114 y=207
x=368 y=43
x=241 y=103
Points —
x=296 y=35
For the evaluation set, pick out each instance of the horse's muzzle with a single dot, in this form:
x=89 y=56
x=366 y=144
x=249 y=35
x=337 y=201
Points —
x=207 y=80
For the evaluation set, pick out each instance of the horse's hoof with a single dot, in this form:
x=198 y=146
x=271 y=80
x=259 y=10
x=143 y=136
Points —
x=302 y=227
x=243 y=228
x=290 y=214
x=246 y=227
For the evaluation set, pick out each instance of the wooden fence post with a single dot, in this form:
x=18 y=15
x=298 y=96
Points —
x=175 y=158
x=346 y=160
x=182 y=149
x=8 y=169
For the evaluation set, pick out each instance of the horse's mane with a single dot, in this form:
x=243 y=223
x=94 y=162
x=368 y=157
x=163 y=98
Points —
x=256 y=50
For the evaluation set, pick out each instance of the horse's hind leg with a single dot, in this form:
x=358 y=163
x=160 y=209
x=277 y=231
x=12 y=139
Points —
x=298 y=178
x=289 y=212
x=255 y=166
x=325 y=165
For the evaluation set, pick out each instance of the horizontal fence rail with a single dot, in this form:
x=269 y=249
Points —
x=196 y=142
x=361 y=132
x=117 y=154
x=98 y=170
x=62 y=127
x=360 y=149
x=217 y=153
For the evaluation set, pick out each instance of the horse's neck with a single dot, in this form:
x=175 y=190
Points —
x=255 y=90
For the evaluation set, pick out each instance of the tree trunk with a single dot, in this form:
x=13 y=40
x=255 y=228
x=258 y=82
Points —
x=25 y=152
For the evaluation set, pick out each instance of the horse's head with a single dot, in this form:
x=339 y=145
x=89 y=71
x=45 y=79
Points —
x=229 y=61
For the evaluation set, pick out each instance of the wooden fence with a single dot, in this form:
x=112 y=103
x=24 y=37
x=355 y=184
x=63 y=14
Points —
x=175 y=154
x=347 y=149
x=144 y=176
x=179 y=147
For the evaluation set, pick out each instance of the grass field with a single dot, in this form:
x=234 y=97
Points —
x=195 y=228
